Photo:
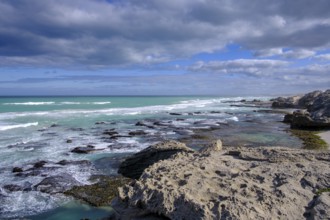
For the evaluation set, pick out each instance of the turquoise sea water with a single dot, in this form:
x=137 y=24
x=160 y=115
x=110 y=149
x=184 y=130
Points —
x=38 y=128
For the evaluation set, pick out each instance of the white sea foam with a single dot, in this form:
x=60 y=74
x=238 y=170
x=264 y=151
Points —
x=100 y=103
x=70 y=103
x=8 y=127
x=84 y=103
x=234 y=118
x=181 y=106
x=29 y=103
x=18 y=204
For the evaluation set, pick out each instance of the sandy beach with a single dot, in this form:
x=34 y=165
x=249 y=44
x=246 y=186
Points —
x=325 y=136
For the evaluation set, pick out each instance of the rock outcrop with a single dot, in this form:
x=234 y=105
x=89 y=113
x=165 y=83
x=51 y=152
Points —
x=57 y=184
x=134 y=165
x=316 y=113
x=307 y=100
x=290 y=102
x=100 y=193
x=211 y=147
x=236 y=183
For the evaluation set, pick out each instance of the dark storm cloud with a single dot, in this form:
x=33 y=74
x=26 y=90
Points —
x=101 y=33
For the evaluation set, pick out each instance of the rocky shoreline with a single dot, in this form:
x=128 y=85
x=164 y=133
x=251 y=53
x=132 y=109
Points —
x=314 y=110
x=170 y=180
x=235 y=183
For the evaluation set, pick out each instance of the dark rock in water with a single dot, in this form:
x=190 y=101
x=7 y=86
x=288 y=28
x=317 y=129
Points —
x=120 y=136
x=69 y=141
x=83 y=150
x=100 y=193
x=184 y=132
x=100 y=123
x=140 y=123
x=30 y=173
x=134 y=165
x=303 y=119
x=17 y=170
x=272 y=111
x=288 y=118
x=110 y=132
x=57 y=184
x=52 y=134
x=120 y=146
x=77 y=162
x=215 y=112
x=28 y=145
x=138 y=132
x=161 y=123
x=175 y=113
x=13 y=187
x=39 y=164
x=27 y=186
x=180 y=119
x=76 y=129
x=104 y=122
x=54 y=125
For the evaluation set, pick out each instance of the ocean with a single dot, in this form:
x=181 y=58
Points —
x=35 y=129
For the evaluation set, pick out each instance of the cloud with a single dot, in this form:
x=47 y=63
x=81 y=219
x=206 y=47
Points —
x=323 y=57
x=253 y=67
x=99 y=33
x=289 y=54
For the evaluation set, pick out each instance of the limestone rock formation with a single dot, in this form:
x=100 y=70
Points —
x=246 y=183
x=134 y=165
x=211 y=147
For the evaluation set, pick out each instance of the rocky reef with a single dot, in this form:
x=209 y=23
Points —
x=232 y=183
x=314 y=113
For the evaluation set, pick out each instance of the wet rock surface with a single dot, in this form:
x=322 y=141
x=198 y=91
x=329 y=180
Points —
x=236 y=183
x=85 y=150
x=57 y=184
x=100 y=193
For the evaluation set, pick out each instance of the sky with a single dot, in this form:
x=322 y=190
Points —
x=172 y=47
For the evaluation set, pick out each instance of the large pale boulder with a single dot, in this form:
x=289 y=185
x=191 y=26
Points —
x=213 y=146
x=134 y=165
x=246 y=183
